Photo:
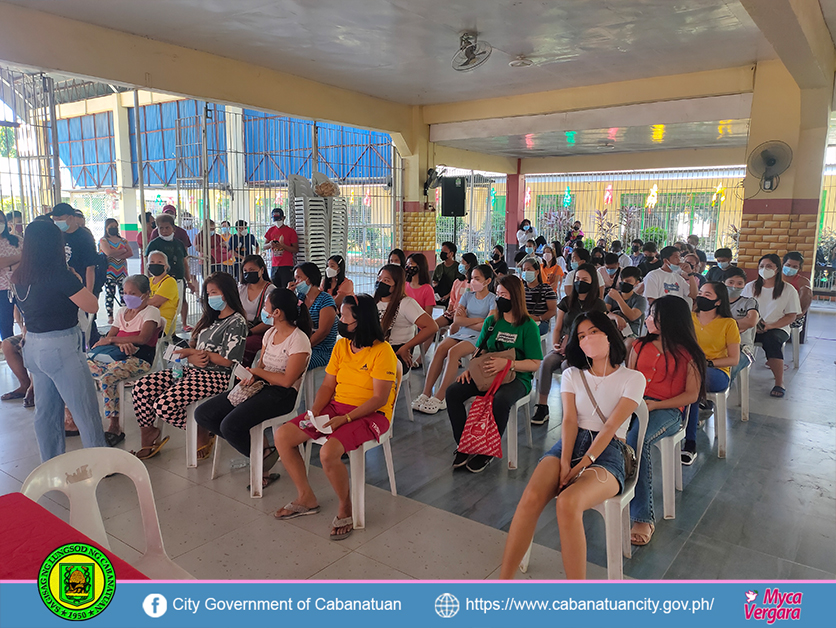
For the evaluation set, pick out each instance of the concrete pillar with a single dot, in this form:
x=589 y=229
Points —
x=236 y=164
x=418 y=215
x=786 y=219
x=514 y=214
x=127 y=209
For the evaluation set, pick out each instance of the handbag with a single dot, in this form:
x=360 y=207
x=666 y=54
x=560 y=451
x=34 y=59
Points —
x=480 y=434
x=480 y=377
x=240 y=393
x=629 y=455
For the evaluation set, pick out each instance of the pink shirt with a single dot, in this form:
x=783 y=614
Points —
x=456 y=292
x=425 y=295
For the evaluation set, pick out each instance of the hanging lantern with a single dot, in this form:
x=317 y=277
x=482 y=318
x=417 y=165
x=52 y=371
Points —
x=652 y=197
x=527 y=197
x=493 y=197
x=719 y=196
x=608 y=195
x=367 y=199
x=567 y=197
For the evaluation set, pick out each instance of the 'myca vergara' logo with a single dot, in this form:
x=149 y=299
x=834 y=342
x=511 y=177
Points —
x=776 y=606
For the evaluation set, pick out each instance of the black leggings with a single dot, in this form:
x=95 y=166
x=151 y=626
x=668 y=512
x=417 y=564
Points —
x=234 y=422
x=503 y=402
x=773 y=343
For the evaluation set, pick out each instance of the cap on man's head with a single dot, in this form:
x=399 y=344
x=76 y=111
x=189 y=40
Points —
x=62 y=209
x=278 y=211
x=170 y=209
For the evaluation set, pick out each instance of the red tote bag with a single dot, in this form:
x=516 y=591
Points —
x=480 y=435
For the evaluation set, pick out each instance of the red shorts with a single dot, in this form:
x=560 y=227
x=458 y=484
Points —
x=350 y=435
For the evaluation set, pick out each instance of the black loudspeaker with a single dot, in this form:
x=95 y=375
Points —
x=452 y=196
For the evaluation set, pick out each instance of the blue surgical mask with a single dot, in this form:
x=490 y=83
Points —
x=216 y=302
x=462 y=269
x=302 y=288
x=575 y=265
x=62 y=225
x=529 y=276
x=723 y=265
x=266 y=318
x=224 y=230
x=789 y=271
x=529 y=250
x=611 y=271
x=526 y=227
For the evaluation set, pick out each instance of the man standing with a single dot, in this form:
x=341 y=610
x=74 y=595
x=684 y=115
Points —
x=446 y=273
x=669 y=280
x=284 y=242
x=79 y=246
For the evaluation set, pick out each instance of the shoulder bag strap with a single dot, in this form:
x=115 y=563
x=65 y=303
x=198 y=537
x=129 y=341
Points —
x=591 y=397
x=261 y=301
x=484 y=346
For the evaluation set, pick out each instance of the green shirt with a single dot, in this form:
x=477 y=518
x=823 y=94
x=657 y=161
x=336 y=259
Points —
x=445 y=276
x=176 y=253
x=525 y=340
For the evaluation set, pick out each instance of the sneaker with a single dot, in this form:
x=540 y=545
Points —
x=688 y=457
x=460 y=459
x=541 y=414
x=422 y=399
x=478 y=463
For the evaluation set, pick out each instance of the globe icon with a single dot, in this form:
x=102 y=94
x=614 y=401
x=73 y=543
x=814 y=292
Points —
x=446 y=605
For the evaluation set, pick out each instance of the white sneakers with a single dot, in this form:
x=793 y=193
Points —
x=429 y=405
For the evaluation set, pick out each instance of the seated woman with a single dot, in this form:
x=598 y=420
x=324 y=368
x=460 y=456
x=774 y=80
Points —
x=498 y=263
x=583 y=298
x=551 y=270
x=468 y=262
x=540 y=297
x=284 y=359
x=253 y=290
x=128 y=349
x=719 y=338
x=165 y=295
x=525 y=253
x=217 y=341
x=397 y=257
x=358 y=394
x=323 y=311
x=673 y=365
x=586 y=466
x=418 y=283
x=335 y=282
x=400 y=314
x=507 y=327
x=471 y=313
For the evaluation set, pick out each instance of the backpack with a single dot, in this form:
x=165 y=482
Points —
x=101 y=273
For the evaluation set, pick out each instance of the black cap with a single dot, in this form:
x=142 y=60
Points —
x=62 y=209
x=278 y=210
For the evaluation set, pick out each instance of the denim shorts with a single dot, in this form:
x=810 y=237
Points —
x=611 y=459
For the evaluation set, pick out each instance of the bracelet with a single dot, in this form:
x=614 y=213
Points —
x=513 y=365
x=591 y=457
x=348 y=417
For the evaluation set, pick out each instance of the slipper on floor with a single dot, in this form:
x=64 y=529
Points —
x=296 y=510
x=114 y=439
x=28 y=403
x=15 y=394
x=204 y=452
x=777 y=391
x=642 y=539
x=270 y=479
x=153 y=450
x=71 y=432
x=341 y=523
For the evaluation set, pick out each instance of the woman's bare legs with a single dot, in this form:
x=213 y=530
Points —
x=330 y=456
x=451 y=368
x=437 y=365
x=288 y=438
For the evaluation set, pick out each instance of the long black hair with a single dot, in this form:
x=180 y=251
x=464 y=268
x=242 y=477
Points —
x=11 y=237
x=592 y=296
x=397 y=294
x=365 y=313
x=295 y=311
x=229 y=289
x=420 y=261
x=42 y=256
x=724 y=309
x=672 y=317
x=258 y=261
x=575 y=355
x=328 y=281
x=779 y=279
x=399 y=254
x=312 y=272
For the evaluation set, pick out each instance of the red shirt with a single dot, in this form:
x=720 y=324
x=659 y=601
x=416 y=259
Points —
x=289 y=236
x=655 y=367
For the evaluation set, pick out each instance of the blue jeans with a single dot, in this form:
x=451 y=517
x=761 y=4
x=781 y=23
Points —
x=661 y=423
x=715 y=381
x=61 y=375
x=742 y=364
x=7 y=316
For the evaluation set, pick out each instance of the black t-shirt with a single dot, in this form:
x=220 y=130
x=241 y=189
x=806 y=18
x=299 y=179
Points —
x=81 y=252
x=645 y=266
x=500 y=267
x=701 y=256
x=243 y=245
x=46 y=306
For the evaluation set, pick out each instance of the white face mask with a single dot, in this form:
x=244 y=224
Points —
x=547 y=257
x=330 y=272
x=766 y=273
x=167 y=238
x=279 y=222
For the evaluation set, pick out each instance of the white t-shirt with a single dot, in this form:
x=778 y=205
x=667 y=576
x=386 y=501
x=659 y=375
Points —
x=622 y=382
x=134 y=326
x=561 y=262
x=525 y=236
x=624 y=261
x=403 y=329
x=659 y=283
x=772 y=310
x=275 y=357
x=251 y=307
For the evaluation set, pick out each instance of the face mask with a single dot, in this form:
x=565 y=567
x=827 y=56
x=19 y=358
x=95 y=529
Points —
x=766 y=273
x=595 y=346
x=635 y=248
x=302 y=288
x=62 y=225
x=734 y=293
x=252 y=276
x=266 y=318
x=156 y=269
x=382 y=290
x=582 y=286
x=676 y=270
x=503 y=305
x=625 y=287
x=211 y=232
x=597 y=259
x=704 y=304
x=114 y=231
x=476 y=286
x=526 y=227
x=224 y=230
x=575 y=265
x=216 y=302
x=723 y=265
x=789 y=271
x=462 y=269
x=132 y=302
x=496 y=257
x=167 y=238
x=548 y=257
x=529 y=276
x=279 y=222
x=529 y=250
x=331 y=272
x=443 y=256
x=343 y=330
x=611 y=271
x=411 y=271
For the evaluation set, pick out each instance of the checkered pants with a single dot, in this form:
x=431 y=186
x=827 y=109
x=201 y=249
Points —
x=158 y=394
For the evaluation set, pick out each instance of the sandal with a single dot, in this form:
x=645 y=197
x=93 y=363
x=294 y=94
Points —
x=296 y=510
x=153 y=450
x=642 y=538
x=777 y=391
x=270 y=461
x=267 y=480
x=70 y=432
x=15 y=394
x=28 y=403
x=204 y=452
x=114 y=439
x=336 y=524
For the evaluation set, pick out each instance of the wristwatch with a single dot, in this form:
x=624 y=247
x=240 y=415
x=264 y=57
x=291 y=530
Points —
x=513 y=366
x=709 y=363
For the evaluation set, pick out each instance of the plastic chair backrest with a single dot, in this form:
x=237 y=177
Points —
x=388 y=433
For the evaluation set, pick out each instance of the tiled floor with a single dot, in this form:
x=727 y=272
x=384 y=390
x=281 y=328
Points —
x=766 y=511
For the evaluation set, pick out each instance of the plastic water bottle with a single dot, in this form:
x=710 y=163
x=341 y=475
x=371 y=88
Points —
x=239 y=463
x=177 y=369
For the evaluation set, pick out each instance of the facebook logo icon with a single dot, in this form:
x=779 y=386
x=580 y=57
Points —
x=155 y=605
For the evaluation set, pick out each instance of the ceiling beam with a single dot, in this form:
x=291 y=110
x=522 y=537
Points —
x=676 y=158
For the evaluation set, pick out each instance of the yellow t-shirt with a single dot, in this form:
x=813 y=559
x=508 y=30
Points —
x=714 y=338
x=355 y=372
x=167 y=288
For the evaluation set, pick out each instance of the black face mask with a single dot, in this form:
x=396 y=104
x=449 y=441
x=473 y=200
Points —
x=503 y=305
x=496 y=257
x=114 y=231
x=625 y=287
x=382 y=290
x=704 y=304
x=156 y=269
x=597 y=259
x=636 y=248
x=252 y=276
x=582 y=286
x=443 y=256
x=342 y=329
x=411 y=271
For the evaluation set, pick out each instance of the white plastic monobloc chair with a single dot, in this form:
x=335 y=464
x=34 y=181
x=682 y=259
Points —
x=721 y=401
x=357 y=463
x=310 y=385
x=743 y=383
x=616 y=513
x=670 y=449
x=513 y=447
x=404 y=379
x=77 y=474
x=191 y=428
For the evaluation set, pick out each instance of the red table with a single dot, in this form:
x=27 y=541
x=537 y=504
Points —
x=29 y=532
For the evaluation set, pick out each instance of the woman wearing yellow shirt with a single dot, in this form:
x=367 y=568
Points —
x=358 y=394
x=719 y=338
x=165 y=295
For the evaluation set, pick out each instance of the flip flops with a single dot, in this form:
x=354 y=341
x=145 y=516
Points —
x=15 y=394
x=71 y=432
x=296 y=510
x=777 y=391
x=336 y=524
x=270 y=461
x=28 y=403
x=153 y=450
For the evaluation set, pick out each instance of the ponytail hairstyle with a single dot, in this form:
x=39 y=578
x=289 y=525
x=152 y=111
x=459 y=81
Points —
x=295 y=311
x=779 y=279
x=327 y=282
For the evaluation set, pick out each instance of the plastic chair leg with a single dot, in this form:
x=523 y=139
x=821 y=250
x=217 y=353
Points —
x=390 y=467
x=796 y=345
x=613 y=525
x=357 y=464
x=626 y=545
x=744 y=393
x=511 y=428
x=256 y=460
x=306 y=456
x=527 y=414
x=216 y=457
x=666 y=448
x=720 y=423
x=527 y=558
x=677 y=465
x=191 y=438
x=408 y=390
